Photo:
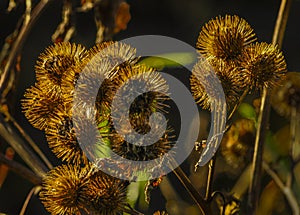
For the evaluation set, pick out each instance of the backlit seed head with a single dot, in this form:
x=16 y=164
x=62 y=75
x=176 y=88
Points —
x=225 y=37
x=59 y=62
x=228 y=74
x=116 y=53
x=237 y=143
x=62 y=190
x=89 y=127
x=105 y=194
x=136 y=79
x=62 y=140
x=286 y=96
x=41 y=105
x=263 y=65
x=140 y=152
x=95 y=78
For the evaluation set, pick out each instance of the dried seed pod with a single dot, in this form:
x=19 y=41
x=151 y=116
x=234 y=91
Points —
x=262 y=65
x=116 y=53
x=105 y=194
x=152 y=90
x=140 y=152
x=62 y=140
x=40 y=105
x=62 y=190
x=95 y=85
x=225 y=37
x=229 y=76
x=89 y=128
x=286 y=96
x=60 y=63
x=237 y=143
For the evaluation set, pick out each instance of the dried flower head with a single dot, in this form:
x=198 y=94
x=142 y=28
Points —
x=138 y=79
x=229 y=76
x=89 y=127
x=93 y=79
x=41 y=105
x=62 y=191
x=59 y=62
x=116 y=53
x=105 y=194
x=286 y=96
x=236 y=145
x=263 y=65
x=225 y=37
x=139 y=152
x=62 y=140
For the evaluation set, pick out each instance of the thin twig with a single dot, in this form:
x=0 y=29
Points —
x=185 y=181
x=19 y=42
x=286 y=190
x=210 y=175
x=13 y=139
x=263 y=117
x=294 y=129
x=65 y=29
x=254 y=188
x=26 y=137
x=212 y=162
x=32 y=191
x=237 y=105
x=21 y=170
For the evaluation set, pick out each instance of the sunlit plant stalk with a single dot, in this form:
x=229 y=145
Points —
x=263 y=118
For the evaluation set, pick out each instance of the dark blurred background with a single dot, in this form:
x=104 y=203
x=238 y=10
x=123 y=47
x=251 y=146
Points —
x=173 y=18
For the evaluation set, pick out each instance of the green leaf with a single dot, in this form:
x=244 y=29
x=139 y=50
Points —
x=247 y=111
x=136 y=195
x=133 y=193
x=170 y=60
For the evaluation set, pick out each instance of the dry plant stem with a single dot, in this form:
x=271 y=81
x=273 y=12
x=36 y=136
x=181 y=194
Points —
x=237 y=105
x=209 y=183
x=132 y=211
x=19 y=42
x=242 y=184
x=65 y=29
x=295 y=136
x=202 y=204
x=20 y=170
x=212 y=162
x=286 y=190
x=263 y=118
x=28 y=139
x=254 y=188
x=13 y=139
x=32 y=191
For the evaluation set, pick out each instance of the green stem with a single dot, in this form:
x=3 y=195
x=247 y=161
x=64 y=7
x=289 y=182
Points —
x=263 y=117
